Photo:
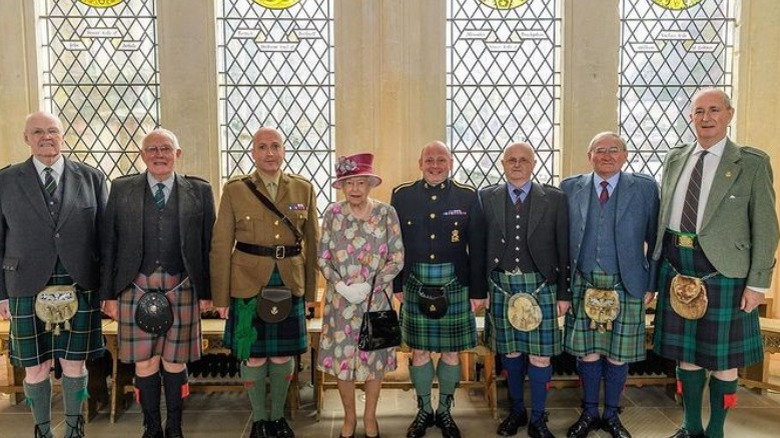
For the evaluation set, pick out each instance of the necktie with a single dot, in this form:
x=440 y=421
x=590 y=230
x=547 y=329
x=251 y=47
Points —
x=49 y=183
x=271 y=186
x=604 y=195
x=691 y=207
x=518 y=197
x=159 y=196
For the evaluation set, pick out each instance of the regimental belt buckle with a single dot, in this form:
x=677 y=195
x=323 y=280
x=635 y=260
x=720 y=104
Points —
x=279 y=252
x=685 y=241
x=515 y=272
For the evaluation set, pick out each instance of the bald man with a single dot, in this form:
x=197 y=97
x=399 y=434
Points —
x=50 y=208
x=266 y=235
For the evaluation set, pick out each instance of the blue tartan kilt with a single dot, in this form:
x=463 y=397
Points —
x=725 y=337
x=545 y=340
x=455 y=331
x=285 y=338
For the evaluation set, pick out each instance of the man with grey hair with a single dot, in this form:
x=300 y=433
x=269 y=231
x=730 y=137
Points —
x=156 y=236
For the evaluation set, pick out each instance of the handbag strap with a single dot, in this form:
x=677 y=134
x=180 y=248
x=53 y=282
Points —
x=371 y=296
x=270 y=205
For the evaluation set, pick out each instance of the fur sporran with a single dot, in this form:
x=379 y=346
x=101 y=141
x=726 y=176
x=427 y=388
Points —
x=688 y=296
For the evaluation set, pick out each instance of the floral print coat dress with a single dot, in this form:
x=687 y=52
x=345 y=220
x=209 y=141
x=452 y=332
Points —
x=355 y=251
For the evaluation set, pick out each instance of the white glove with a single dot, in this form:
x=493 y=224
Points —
x=355 y=293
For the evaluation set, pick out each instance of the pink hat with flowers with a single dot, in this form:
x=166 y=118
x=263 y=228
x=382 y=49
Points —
x=356 y=165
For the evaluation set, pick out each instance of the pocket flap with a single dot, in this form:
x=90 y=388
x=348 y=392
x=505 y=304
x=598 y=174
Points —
x=276 y=294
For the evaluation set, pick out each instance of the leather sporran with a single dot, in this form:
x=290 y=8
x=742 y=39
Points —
x=55 y=306
x=274 y=303
x=602 y=307
x=523 y=312
x=380 y=329
x=433 y=301
x=153 y=313
x=688 y=296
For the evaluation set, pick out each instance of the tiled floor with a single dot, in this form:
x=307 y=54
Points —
x=649 y=413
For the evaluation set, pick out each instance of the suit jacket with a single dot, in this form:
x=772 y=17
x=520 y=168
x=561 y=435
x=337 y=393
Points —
x=739 y=230
x=122 y=232
x=548 y=232
x=636 y=221
x=242 y=218
x=30 y=240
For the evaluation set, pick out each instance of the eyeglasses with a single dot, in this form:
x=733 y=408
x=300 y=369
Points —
x=517 y=161
x=604 y=151
x=154 y=150
x=39 y=132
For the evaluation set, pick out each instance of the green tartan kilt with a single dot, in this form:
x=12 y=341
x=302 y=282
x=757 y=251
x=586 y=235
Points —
x=545 y=340
x=625 y=342
x=725 y=337
x=32 y=345
x=285 y=338
x=455 y=331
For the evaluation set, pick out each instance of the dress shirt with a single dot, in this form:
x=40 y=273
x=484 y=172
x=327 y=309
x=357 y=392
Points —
x=168 y=183
x=56 y=169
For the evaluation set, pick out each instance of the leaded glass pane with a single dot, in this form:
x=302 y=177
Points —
x=668 y=51
x=100 y=75
x=276 y=69
x=503 y=85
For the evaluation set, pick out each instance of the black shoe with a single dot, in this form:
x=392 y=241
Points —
x=539 y=428
x=584 y=425
x=615 y=428
x=150 y=432
x=682 y=433
x=174 y=433
x=279 y=429
x=75 y=424
x=447 y=425
x=39 y=430
x=421 y=423
x=258 y=430
x=514 y=421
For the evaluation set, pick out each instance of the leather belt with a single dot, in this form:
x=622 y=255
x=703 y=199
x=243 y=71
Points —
x=682 y=240
x=278 y=252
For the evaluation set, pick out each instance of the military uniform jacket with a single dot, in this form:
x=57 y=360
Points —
x=437 y=227
x=31 y=241
x=122 y=232
x=243 y=218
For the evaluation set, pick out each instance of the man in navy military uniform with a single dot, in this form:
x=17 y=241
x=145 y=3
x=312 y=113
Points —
x=435 y=214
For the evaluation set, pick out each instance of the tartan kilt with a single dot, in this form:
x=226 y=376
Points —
x=32 y=345
x=455 y=331
x=545 y=340
x=626 y=341
x=725 y=337
x=182 y=342
x=285 y=338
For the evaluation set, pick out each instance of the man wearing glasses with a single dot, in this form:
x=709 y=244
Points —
x=156 y=236
x=612 y=218
x=49 y=212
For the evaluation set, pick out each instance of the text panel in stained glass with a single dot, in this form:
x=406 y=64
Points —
x=276 y=69
x=100 y=75
x=670 y=48
x=503 y=85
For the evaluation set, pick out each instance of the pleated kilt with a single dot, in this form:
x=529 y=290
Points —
x=182 y=342
x=32 y=345
x=725 y=337
x=545 y=340
x=625 y=342
x=455 y=331
x=285 y=338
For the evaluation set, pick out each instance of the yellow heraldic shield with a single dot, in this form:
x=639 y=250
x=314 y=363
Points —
x=504 y=4
x=676 y=5
x=276 y=4
x=101 y=3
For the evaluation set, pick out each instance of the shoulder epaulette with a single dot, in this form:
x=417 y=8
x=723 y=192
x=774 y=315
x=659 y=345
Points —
x=403 y=185
x=679 y=146
x=754 y=151
x=127 y=176
x=463 y=186
x=238 y=178
x=196 y=178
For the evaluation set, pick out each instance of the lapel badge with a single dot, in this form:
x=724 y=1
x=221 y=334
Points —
x=728 y=174
x=455 y=236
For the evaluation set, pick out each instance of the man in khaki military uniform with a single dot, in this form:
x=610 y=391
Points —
x=253 y=248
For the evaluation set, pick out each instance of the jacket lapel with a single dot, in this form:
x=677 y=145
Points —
x=536 y=208
x=670 y=180
x=71 y=191
x=282 y=190
x=727 y=172
x=30 y=184
x=624 y=192
x=581 y=195
x=498 y=200
x=187 y=204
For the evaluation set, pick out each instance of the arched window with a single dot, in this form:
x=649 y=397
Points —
x=100 y=75
x=275 y=64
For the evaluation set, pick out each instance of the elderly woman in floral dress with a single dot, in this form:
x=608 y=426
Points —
x=361 y=251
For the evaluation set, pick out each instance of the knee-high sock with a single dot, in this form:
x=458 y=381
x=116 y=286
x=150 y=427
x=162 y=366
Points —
x=538 y=377
x=515 y=380
x=149 y=396
x=280 y=376
x=39 y=398
x=422 y=379
x=614 y=382
x=254 y=383
x=692 y=383
x=722 y=398
x=176 y=388
x=74 y=392
x=590 y=376
x=449 y=377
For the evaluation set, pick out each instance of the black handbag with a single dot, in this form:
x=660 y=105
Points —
x=274 y=303
x=153 y=314
x=432 y=301
x=379 y=329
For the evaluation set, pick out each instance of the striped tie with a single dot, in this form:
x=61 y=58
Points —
x=159 y=196
x=691 y=208
x=49 y=183
x=518 y=198
x=604 y=195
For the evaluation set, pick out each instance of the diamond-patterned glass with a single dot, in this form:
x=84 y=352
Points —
x=665 y=56
x=100 y=75
x=503 y=85
x=276 y=69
